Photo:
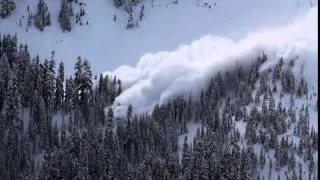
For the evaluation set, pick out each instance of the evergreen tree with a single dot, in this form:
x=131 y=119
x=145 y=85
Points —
x=14 y=128
x=186 y=159
x=300 y=172
x=302 y=88
x=131 y=19
x=119 y=87
x=118 y=3
x=59 y=94
x=4 y=78
x=42 y=18
x=83 y=80
x=277 y=69
x=49 y=86
x=70 y=95
x=262 y=159
x=288 y=81
x=109 y=129
x=65 y=14
x=13 y=106
x=141 y=13
x=6 y=7
x=129 y=115
x=12 y=154
x=46 y=166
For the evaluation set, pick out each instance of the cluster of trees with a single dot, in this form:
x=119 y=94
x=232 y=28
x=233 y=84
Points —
x=66 y=12
x=42 y=18
x=81 y=13
x=129 y=7
x=6 y=7
x=89 y=142
x=31 y=94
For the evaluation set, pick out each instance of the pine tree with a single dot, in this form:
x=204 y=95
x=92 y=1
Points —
x=41 y=122
x=55 y=135
x=101 y=88
x=69 y=98
x=23 y=61
x=46 y=166
x=300 y=172
x=13 y=106
x=141 y=13
x=131 y=19
x=49 y=86
x=257 y=100
x=119 y=87
x=12 y=153
x=4 y=78
x=14 y=127
x=29 y=20
x=288 y=81
x=59 y=94
x=109 y=130
x=129 y=115
x=245 y=166
x=262 y=159
x=42 y=18
x=186 y=159
x=250 y=133
x=302 y=88
x=83 y=80
x=118 y=3
x=277 y=69
x=6 y=7
x=63 y=138
x=65 y=14
x=311 y=165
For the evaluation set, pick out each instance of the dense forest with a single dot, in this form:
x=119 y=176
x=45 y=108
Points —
x=58 y=127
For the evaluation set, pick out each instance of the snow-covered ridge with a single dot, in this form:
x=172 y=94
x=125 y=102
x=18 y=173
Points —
x=103 y=42
x=157 y=77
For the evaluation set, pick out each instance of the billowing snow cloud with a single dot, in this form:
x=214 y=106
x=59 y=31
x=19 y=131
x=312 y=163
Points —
x=160 y=76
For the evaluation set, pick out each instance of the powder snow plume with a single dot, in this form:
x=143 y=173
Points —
x=157 y=77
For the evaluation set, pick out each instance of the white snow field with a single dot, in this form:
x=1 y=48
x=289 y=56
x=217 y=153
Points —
x=108 y=44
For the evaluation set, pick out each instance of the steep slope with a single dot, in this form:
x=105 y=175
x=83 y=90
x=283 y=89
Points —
x=160 y=78
x=184 y=70
x=248 y=107
x=164 y=26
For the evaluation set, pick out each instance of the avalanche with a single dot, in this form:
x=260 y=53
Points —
x=160 y=76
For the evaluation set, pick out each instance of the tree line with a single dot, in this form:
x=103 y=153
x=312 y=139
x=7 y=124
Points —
x=92 y=143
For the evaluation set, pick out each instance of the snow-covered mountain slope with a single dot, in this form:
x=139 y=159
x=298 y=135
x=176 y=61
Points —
x=108 y=44
x=286 y=105
x=240 y=114
x=158 y=77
